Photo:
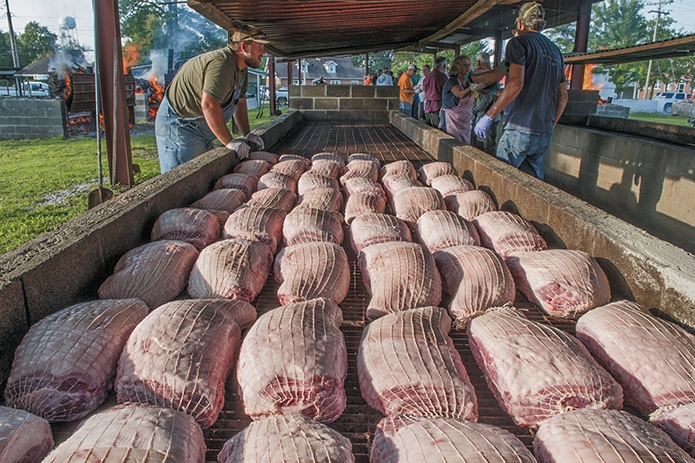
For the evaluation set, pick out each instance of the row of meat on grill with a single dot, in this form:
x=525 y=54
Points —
x=442 y=382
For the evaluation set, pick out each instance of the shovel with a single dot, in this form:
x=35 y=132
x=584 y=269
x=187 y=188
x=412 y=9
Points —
x=101 y=194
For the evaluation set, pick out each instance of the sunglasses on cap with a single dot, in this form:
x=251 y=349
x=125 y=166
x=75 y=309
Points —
x=259 y=37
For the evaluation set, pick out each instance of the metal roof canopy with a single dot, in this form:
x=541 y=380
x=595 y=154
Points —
x=672 y=48
x=313 y=28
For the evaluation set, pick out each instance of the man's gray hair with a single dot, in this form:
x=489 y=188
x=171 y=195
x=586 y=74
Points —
x=440 y=61
x=482 y=57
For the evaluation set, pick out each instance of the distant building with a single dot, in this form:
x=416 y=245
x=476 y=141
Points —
x=332 y=70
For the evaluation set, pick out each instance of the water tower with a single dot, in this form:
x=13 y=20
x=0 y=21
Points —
x=67 y=23
x=68 y=29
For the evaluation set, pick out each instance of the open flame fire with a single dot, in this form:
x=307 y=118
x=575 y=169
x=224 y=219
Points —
x=131 y=56
x=67 y=91
x=589 y=80
x=155 y=98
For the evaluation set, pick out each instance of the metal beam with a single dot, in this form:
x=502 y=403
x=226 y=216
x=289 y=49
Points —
x=681 y=46
x=477 y=10
x=114 y=105
x=581 y=39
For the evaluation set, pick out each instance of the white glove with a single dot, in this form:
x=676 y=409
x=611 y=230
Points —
x=483 y=126
x=239 y=145
x=477 y=87
x=253 y=138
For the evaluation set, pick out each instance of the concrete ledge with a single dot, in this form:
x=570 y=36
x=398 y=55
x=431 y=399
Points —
x=640 y=267
x=665 y=132
x=81 y=253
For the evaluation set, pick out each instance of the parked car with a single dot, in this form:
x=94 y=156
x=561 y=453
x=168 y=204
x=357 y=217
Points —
x=281 y=95
x=665 y=100
x=33 y=89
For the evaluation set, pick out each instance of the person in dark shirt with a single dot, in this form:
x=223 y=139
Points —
x=433 y=85
x=534 y=97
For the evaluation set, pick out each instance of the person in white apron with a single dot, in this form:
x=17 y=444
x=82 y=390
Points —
x=457 y=100
x=204 y=95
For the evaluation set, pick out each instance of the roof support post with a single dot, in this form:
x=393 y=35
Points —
x=498 y=48
x=290 y=68
x=271 y=84
x=366 y=64
x=581 y=39
x=113 y=92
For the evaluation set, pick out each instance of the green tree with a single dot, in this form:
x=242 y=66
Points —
x=618 y=24
x=562 y=36
x=153 y=26
x=377 y=61
x=35 y=42
x=5 y=51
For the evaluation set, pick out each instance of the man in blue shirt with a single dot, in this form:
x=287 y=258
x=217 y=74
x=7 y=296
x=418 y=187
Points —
x=534 y=97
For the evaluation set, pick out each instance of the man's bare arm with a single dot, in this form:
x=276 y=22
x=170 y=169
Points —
x=487 y=78
x=562 y=98
x=241 y=116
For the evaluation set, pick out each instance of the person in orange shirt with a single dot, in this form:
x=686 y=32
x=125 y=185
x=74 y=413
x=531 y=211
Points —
x=407 y=94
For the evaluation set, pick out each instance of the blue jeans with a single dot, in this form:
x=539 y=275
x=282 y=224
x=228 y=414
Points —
x=180 y=139
x=524 y=150
x=406 y=108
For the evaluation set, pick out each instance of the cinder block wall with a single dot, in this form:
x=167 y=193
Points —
x=580 y=105
x=25 y=118
x=344 y=102
x=639 y=266
x=613 y=110
x=646 y=182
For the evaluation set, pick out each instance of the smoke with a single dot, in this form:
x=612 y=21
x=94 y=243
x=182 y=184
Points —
x=62 y=64
x=159 y=65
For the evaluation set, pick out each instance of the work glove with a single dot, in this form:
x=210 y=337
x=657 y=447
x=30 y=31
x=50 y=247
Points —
x=253 y=138
x=482 y=126
x=240 y=146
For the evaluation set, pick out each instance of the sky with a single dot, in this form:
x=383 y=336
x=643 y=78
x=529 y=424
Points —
x=47 y=13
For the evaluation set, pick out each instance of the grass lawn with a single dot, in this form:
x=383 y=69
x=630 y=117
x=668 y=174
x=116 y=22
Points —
x=660 y=118
x=45 y=183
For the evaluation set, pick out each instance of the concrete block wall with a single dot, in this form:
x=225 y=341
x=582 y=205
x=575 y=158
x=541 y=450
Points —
x=666 y=132
x=27 y=118
x=581 y=103
x=344 y=102
x=639 y=266
x=67 y=265
x=612 y=110
x=645 y=182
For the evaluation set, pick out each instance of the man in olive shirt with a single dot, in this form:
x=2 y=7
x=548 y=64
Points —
x=204 y=95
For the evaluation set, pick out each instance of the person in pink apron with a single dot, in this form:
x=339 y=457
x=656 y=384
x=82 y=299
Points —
x=457 y=100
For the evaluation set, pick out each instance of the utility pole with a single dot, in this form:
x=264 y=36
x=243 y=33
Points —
x=13 y=43
x=656 y=28
x=13 y=46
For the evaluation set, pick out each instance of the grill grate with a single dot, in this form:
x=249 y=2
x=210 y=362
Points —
x=358 y=422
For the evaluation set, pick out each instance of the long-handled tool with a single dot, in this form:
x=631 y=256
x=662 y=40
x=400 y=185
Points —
x=101 y=194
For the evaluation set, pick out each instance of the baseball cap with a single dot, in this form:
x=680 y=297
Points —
x=531 y=11
x=412 y=66
x=254 y=35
